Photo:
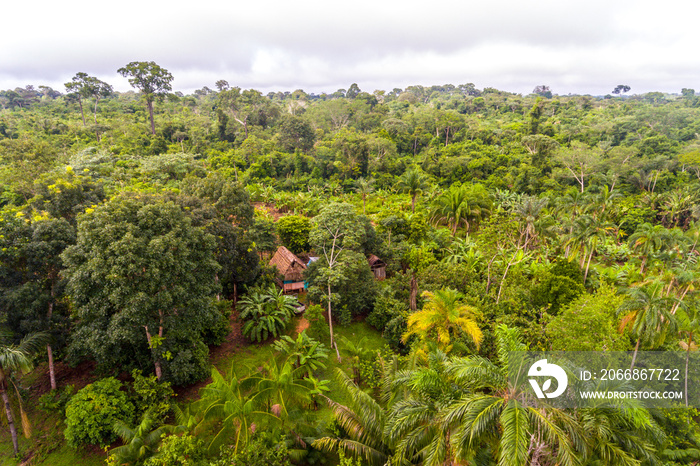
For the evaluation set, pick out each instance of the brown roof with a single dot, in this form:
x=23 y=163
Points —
x=284 y=259
x=375 y=261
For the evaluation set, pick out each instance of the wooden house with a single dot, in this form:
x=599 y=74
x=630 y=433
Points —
x=291 y=268
x=377 y=266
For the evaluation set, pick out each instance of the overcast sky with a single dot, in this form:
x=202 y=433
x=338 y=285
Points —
x=573 y=46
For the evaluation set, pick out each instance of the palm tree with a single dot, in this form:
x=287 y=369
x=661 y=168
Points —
x=461 y=205
x=688 y=326
x=444 y=314
x=648 y=240
x=413 y=182
x=279 y=387
x=226 y=407
x=414 y=426
x=647 y=313
x=305 y=353
x=363 y=419
x=495 y=417
x=140 y=442
x=529 y=211
x=364 y=187
x=15 y=358
x=357 y=351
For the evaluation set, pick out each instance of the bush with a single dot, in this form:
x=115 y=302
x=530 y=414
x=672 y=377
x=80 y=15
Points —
x=56 y=401
x=318 y=327
x=385 y=309
x=151 y=395
x=92 y=412
x=185 y=450
x=265 y=313
x=260 y=451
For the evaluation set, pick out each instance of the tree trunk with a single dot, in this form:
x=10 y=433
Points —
x=414 y=291
x=588 y=264
x=156 y=363
x=413 y=203
x=82 y=114
x=330 y=316
x=636 y=349
x=10 y=417
x=52 y=372
x=687 y=358
x=149 y=103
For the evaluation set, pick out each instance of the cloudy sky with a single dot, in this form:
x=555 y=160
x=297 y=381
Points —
x=573 y=46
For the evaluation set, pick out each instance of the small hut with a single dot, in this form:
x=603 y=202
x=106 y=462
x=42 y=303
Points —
x=291 y=268
x=378 y=267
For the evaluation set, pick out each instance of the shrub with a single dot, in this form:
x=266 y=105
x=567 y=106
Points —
x=56 y=401
x=185 y=450
x=92 y=412
x=151 y=395
x=265 y=313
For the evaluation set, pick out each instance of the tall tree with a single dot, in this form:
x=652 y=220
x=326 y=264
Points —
x=151 y=80
x=413 y=182
x=83 y=86
x=336 y=229
x=143 y=282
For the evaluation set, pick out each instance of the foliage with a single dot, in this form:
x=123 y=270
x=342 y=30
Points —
x=150 y=395
x=143 y=280
x=179 y=450
x=442 y=317
x=93 y=411
x=140 y=443
x=56 y=401
x=294 y=232
x=588 y=323
x=260 y=451
x=266 y=313
x=306 y=354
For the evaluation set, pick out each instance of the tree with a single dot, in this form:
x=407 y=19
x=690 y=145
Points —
x=92 y=412
x=294 y=232
x=621 y=89
x=688 y=326
x=461 y=205
x=14 y=358
x=495 y=418
x=647 y=314
x=364 y=421
x=443 y=318
x=228 y=411
x=335 y=229
x=413 y=182
x=83 y=86
x=140 y=443
x=543 y=91
x=295 y=133
x=151 y=80
x=143 y=282
x=588 y=323
x=579 y=160
x=364 y=187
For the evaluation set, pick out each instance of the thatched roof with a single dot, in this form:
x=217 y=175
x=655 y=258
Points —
x=375 y=261
x=286 y=262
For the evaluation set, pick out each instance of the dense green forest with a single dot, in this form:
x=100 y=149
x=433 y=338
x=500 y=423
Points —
x=136 y=231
